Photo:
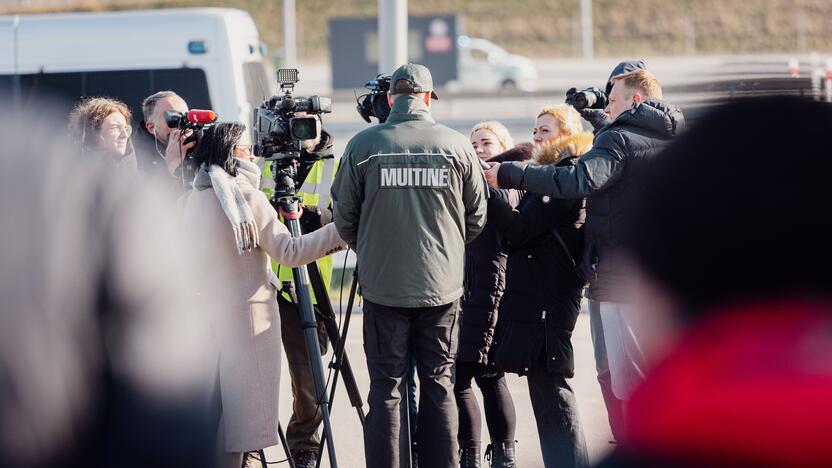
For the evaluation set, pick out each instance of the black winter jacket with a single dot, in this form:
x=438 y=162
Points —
x=542 y=299
x=485 y=267
x=606 y=175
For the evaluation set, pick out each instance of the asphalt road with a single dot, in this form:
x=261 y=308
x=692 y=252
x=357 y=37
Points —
x=347 y=429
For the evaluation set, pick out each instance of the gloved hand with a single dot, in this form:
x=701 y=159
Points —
x=596 y=117
x=314 y=218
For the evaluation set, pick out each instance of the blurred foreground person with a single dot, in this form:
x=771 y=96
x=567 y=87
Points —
x=101 y=128
x=734 y=296
x=485 y=267
x=106 y=359
x=543 y=237
x=227 y=193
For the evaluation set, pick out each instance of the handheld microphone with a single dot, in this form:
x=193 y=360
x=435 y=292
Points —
x=201 y=116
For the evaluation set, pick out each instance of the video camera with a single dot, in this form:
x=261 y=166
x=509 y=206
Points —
x=278 y=133
x=374 y=103
x=196 y=120
x=589 y=98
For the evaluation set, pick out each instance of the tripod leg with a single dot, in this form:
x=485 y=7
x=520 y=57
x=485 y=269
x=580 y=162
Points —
x=341 y=362
x=262 y=454
x=405 y=442
x=289 y=208
x=285 y=445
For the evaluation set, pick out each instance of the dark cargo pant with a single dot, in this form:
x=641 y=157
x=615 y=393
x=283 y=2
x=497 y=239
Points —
x=302 y=431
x=391 y=336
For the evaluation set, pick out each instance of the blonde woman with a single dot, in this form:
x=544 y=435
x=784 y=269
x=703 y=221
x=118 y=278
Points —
x=543 y=237
x=485 y=278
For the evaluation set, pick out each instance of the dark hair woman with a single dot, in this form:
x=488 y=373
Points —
x=226 y=193
x=542 y=298
x=101 y=127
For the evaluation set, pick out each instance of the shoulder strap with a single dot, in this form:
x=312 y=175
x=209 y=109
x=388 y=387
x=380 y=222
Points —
x=565 y=247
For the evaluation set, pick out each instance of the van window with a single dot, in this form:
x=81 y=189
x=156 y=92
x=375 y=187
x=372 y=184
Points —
x=258 y=83
x=130 y=86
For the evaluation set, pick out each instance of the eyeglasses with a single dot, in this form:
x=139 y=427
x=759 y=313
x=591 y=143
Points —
x=118 y=129
x=244 y=148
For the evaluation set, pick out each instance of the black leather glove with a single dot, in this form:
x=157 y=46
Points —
x=314 y=218
x=596 y=117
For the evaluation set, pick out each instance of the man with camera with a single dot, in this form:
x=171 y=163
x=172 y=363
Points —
x=302 y=430
x=408 y=196
x=159 y=148
x=641 y=125
x=591 y=103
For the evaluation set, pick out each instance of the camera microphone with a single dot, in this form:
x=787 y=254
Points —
x=201 y=116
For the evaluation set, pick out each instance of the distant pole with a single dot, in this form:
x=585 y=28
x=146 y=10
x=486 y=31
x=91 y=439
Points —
x=586 y=29
x=16 y=91
x=290 y=35
x=392 y=34
x=801 y=31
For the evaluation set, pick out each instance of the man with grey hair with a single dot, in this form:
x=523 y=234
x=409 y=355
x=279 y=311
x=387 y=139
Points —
x=157 y=145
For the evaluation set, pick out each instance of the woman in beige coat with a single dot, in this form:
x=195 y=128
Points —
x=226 y=194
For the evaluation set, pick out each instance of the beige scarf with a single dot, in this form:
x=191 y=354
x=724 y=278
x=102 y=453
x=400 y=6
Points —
x=232 y=200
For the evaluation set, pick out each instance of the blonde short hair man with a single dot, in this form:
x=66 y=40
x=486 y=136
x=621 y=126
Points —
x=630 y=89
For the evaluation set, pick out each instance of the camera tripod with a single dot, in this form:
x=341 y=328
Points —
x=288 y=205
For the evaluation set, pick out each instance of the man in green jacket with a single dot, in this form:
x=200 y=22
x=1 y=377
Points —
x=407 y=197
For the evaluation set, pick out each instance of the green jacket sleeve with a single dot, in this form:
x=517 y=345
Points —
x=347 y=197
x=474 y=196
x=595 y=170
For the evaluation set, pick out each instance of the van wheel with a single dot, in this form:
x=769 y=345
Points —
x=508 y=85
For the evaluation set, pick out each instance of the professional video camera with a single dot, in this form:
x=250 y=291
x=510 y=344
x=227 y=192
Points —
x=278 y=133
x=195 y=120
x=374 y=103
x=589 y=98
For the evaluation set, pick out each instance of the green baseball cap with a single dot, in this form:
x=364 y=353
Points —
x=417 y=74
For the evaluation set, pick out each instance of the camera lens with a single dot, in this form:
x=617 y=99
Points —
x=304 y=128
x=584 y=99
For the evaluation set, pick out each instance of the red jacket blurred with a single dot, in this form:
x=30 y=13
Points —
x=750 y=386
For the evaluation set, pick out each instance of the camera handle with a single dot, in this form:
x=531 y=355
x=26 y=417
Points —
x=289 y=207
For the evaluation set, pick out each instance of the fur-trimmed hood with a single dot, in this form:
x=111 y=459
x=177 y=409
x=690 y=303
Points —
x=559 y=149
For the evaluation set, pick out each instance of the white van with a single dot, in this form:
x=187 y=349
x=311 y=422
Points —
x=212 y=57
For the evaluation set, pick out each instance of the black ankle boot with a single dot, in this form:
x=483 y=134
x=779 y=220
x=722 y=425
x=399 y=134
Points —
x=501 y=455
x=469 y=457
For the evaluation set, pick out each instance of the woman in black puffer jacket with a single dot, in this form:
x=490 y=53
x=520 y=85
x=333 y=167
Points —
x=542 y=298
x=485 y=279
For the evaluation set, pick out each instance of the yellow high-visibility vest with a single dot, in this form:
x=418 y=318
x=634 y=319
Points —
x=315 y=191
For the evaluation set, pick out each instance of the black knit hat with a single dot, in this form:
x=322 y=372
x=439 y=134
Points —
x=738 y=208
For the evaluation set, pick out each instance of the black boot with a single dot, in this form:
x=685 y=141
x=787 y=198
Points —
x=469 y=457
x=501 y=455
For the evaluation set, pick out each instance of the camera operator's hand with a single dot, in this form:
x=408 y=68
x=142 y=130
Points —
x=176 y=149
x=314 y=218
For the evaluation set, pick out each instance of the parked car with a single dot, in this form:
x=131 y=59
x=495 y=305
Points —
x=485 y=66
